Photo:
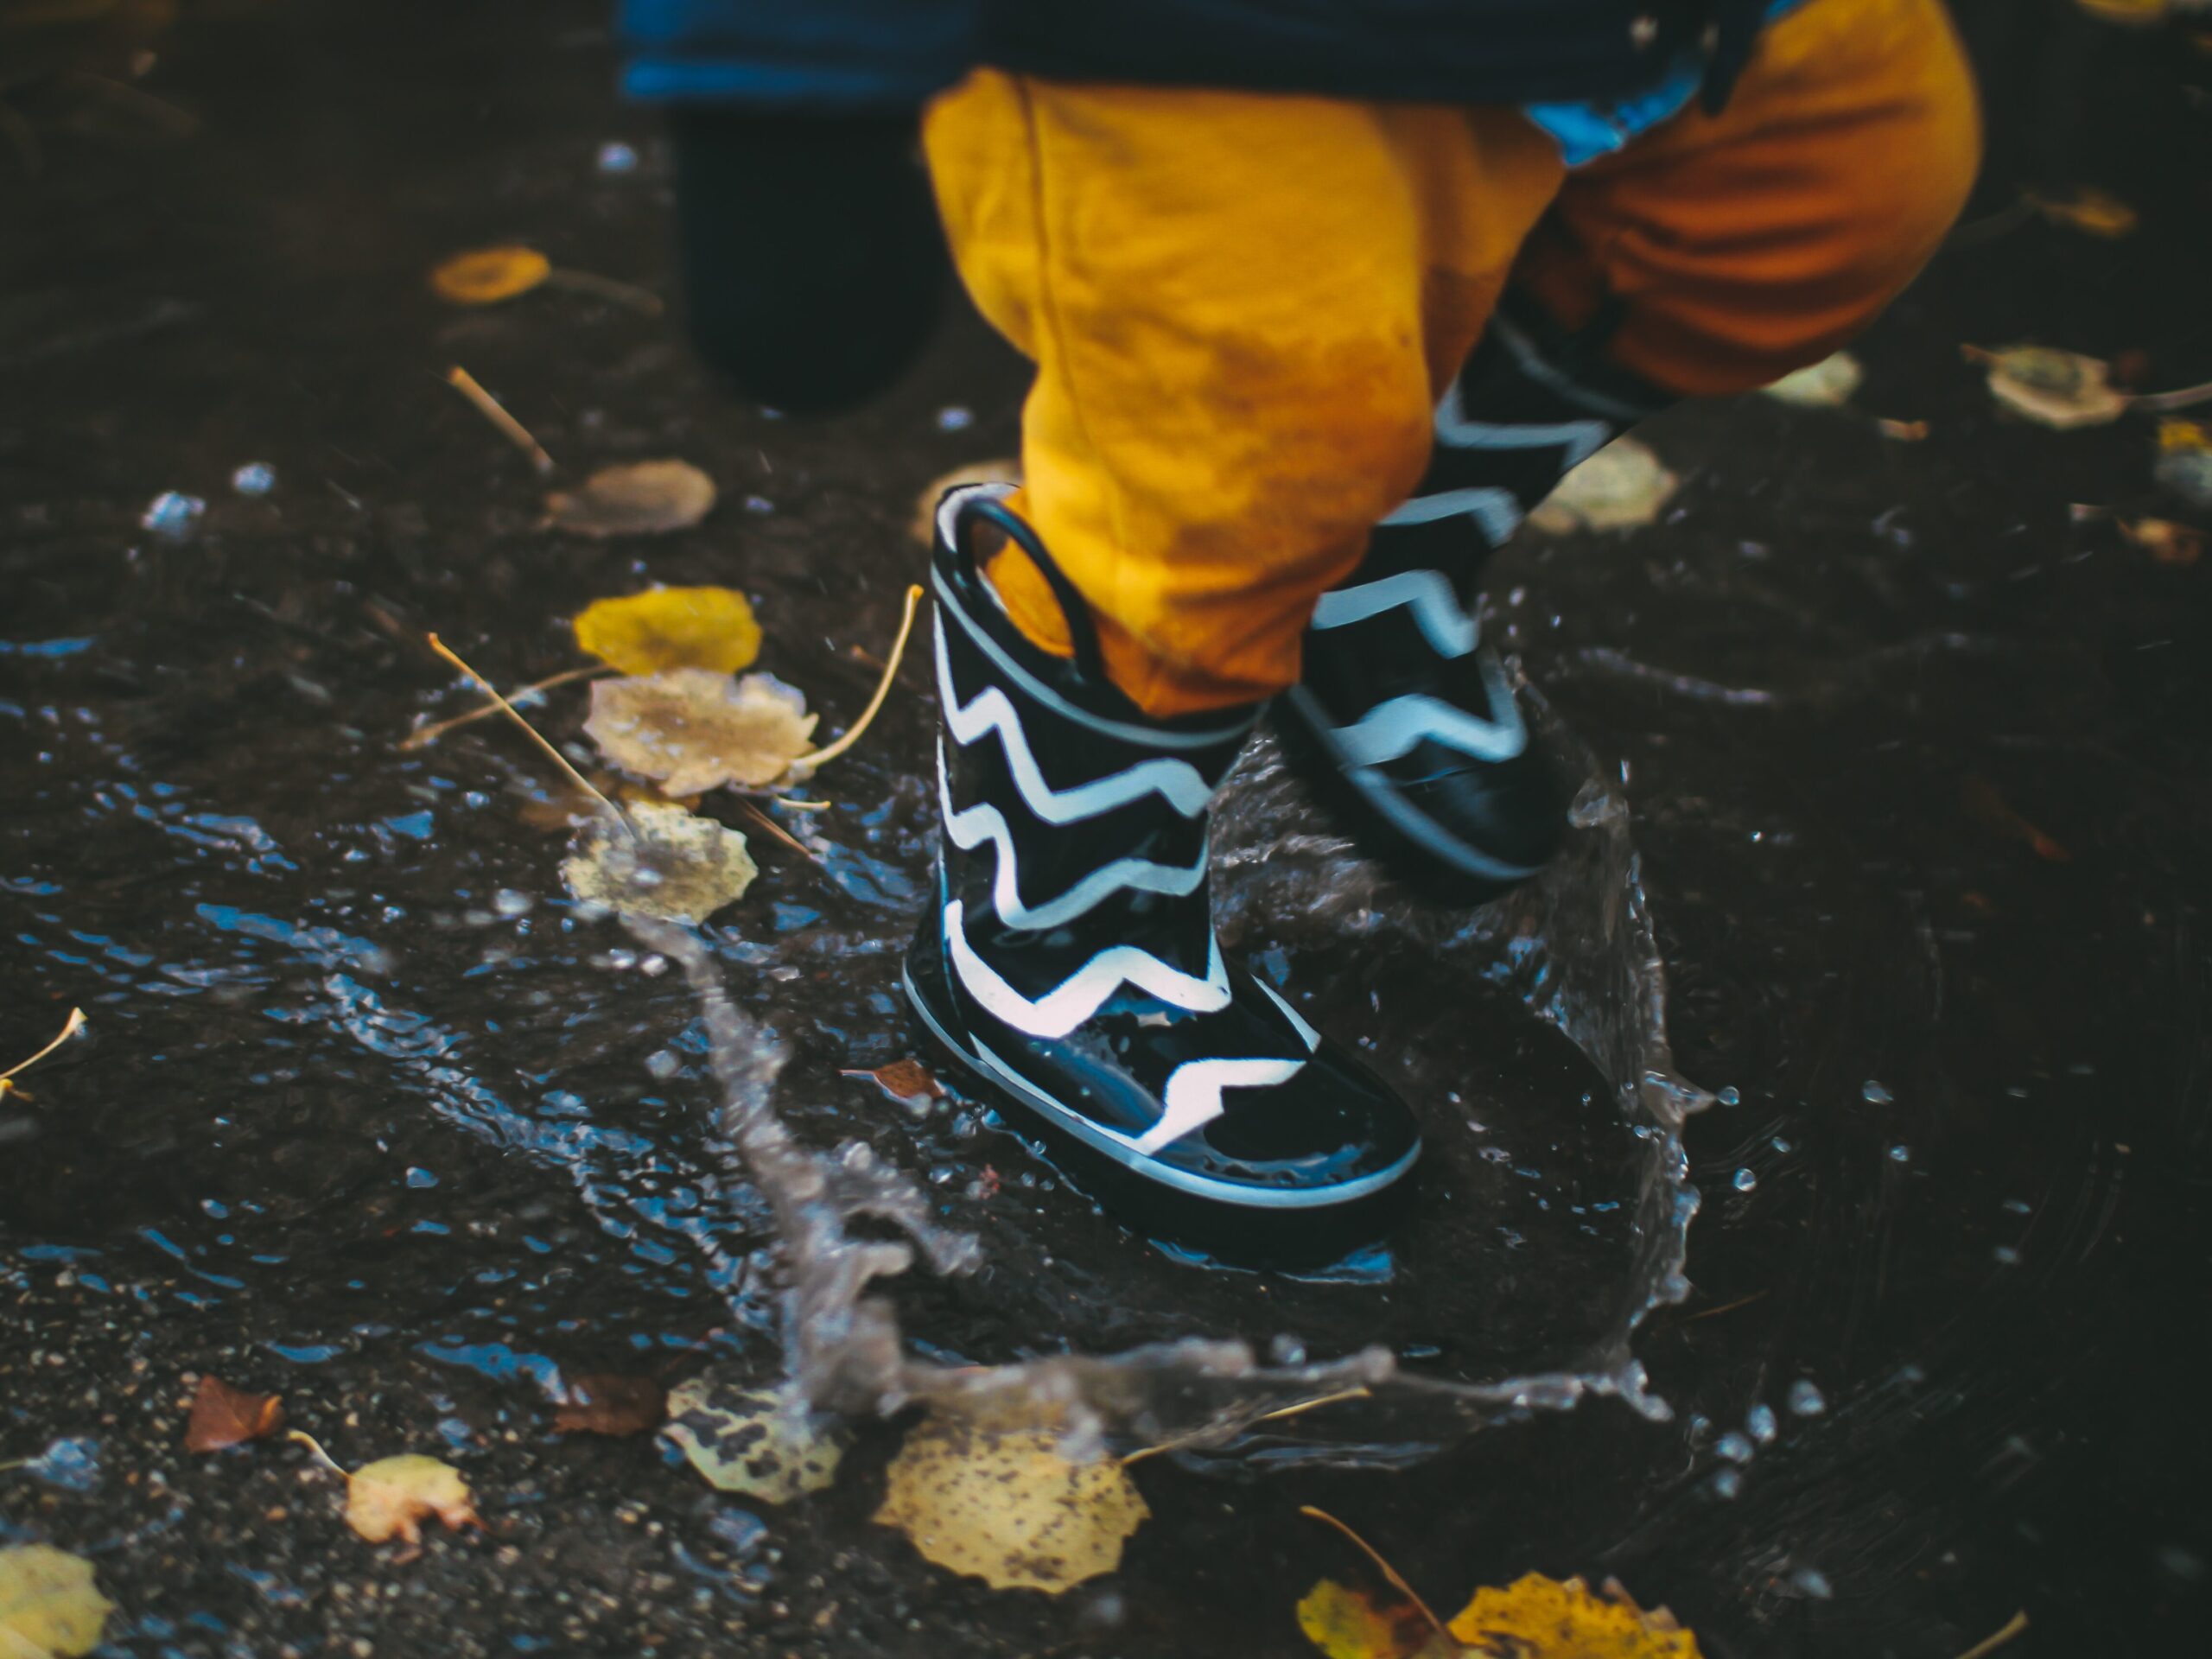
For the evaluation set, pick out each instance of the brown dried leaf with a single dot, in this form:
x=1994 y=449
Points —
x=392 y=1496
x=640 y=497
x=2165 y=541
x=223 y=1415
x=691 y=729
x=1903 y=431
x=611 y=1403
x=905 y=1081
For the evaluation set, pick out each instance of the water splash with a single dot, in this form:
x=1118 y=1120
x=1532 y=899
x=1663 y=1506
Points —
x=1576 y=946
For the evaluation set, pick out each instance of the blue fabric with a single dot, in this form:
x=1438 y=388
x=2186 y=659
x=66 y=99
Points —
x=1584 y=131
x=830 y=56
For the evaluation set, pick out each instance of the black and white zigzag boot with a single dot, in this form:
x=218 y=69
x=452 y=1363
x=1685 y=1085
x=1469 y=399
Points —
x=1069 y=961
x=1404 y=720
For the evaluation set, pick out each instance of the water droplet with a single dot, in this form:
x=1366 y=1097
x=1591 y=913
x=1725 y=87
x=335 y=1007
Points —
x=421 y=1178
x=1286 y=1351
x=255 y=477
x=1806 y=1398
x=615 y=156
x=1728 y=1483
x=1779 y=1144
x=760 y=505
x=1736 y=1447
x=955 y=418
x=1746 y=1180
x=1873 y=1094
x=2018 y=1206
x=663 y=1064
x=2006 y=1256
x=1760 y=1421
x=509 y=903
x=1728 y=1097
x=1900 y=1155
x=1811 y=1581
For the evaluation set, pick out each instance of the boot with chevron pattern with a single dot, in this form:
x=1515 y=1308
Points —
x=1069 y=960
x=1403 y=719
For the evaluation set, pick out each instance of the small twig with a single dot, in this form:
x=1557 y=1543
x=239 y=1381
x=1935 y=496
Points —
x=883 y=689
x=74 y=1024
x=426 y=735
x=2165 y=403
x=536 y=736
x=512 y=429
x=1389 y=1570
x=322 y=1456
x=1197 y=1435
x=16 y=1463
x=777 y=830
x=640 y=300
x=1989 y=1645
x=1728 y=1307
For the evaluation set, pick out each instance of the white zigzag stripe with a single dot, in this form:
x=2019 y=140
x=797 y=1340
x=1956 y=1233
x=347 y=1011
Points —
x=983 y=823
x=1579 y=439
x=1497 y=513
x=1083 y=992
x=1193 y=1094
x=1177 y=782
x=1391 y=729
x=1427 y=593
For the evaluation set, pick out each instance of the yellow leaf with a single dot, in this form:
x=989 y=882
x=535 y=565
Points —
x=670 y=864
x=923 y=527
x=692 y=729
x=2093 y=213
x=392 y=1496
x=2057 y=388
x=486 y=276
x=672 y=627
x=767 y=1445
x=640 y=498
x=1820 y=385
x=1344 y=1624
x=1537 y=1618
x=1006 y=1505
x=2165 y=541
x=49 y=1604
x=1622 y=485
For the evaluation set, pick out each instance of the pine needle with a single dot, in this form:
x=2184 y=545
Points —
x=74 y=1024
x=536 y=736
x=778 y=831
x=512 y=429
x=1388 y=1571
x=322 y=1456
x=422 y=736
x=1989 y=1645
x=883 y=689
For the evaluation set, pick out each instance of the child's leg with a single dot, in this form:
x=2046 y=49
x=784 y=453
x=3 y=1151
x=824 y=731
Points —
x=1241 y=308
x=1743 y=245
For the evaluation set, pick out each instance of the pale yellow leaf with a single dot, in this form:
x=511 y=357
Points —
x=392 y=1496
x=672 y=627
x=771 y=1446
x=1537 y=1618
x=1344 y=1624
x=48 y=1603
x=2052 y=388
x=1622 y=485
x=486 y=276
x=2093 y=213
x=1006 y=1505
x=640 y=498
x=1820 y=385
x=691 y=729
x=672 y=865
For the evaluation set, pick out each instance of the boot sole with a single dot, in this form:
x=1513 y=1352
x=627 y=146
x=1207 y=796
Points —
x=1375 y=815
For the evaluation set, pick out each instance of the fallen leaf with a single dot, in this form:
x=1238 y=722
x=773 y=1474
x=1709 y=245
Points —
x=672 y=864
x=2052 y=388
x=2184 y=463
x=1820 y=385
x=1006 y=1505
x=672 y=627
x=486 y=276
x=2128 y=14
x=2093 y=213
x=1622 y=485
x=691 y=729
x=223 y=1415
x=923 y=526
x=1903 y=431
x=1982 y=803
x=908 y=1082
x=392 y=1496
x=49 y=1604
x=2165 y=541
x=1537 y=1618
x=1344 y=1624
x=610 y=1403
x=640 y=498
x=768 y=1444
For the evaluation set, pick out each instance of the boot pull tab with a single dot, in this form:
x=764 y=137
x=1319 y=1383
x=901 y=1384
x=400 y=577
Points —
x=1083 y=633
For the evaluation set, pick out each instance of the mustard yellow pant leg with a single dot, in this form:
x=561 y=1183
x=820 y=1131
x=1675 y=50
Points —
x=1242 y=310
